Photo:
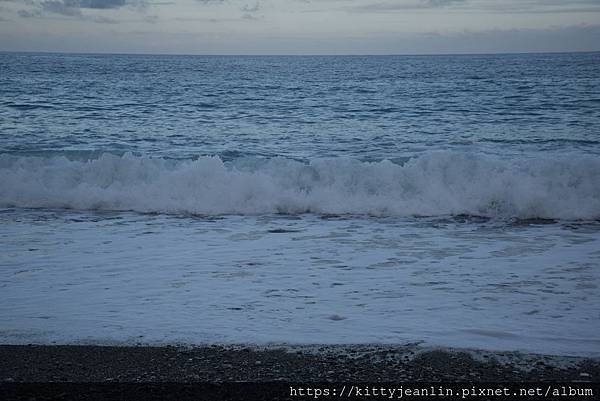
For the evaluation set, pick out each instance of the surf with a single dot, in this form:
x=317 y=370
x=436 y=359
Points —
x=439 y=183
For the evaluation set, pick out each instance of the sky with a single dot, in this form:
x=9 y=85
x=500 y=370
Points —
x=300 y=26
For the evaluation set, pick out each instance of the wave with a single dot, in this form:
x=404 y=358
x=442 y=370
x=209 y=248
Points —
x=434 y=184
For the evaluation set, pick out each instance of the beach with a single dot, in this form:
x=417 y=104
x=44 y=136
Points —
x=341 y=363
x=226 y=219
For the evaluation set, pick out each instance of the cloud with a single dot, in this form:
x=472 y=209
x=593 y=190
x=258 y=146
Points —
x=486 y=6
x=60 y=7
x=29 y=13
x=151 y=19
x=407 y=5
x=544 y=6
x=63 y=8
x=251 y=9
x=440 y=3
x=99 y=4
x=73 y=8
x=100 y=19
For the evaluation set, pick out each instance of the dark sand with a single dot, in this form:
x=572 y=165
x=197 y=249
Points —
x=35 y=363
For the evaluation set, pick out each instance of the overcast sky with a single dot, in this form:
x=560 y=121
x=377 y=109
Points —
x=300 y=26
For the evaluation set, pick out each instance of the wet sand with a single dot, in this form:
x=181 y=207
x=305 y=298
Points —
x=362 y=363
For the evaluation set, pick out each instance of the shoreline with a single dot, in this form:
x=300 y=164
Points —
x=278 y=363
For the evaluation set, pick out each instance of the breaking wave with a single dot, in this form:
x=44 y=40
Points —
x=434 y=184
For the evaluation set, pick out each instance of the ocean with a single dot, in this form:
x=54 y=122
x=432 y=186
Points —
x=442 y=200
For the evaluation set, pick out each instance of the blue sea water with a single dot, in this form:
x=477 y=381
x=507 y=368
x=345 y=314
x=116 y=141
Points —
x=448 y=199
x=369 y=108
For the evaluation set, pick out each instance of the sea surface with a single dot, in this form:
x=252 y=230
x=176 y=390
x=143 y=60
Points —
x=440 y=200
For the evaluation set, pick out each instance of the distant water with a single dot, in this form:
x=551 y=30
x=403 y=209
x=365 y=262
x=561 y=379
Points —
x=453 y=200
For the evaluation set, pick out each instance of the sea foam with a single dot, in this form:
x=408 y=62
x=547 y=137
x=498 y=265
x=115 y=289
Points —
x=434 y=184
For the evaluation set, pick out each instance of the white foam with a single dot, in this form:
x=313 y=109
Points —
x=438 y=183
x=79 y=277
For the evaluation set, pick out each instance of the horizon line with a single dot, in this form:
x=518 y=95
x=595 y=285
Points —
x=295 y=55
